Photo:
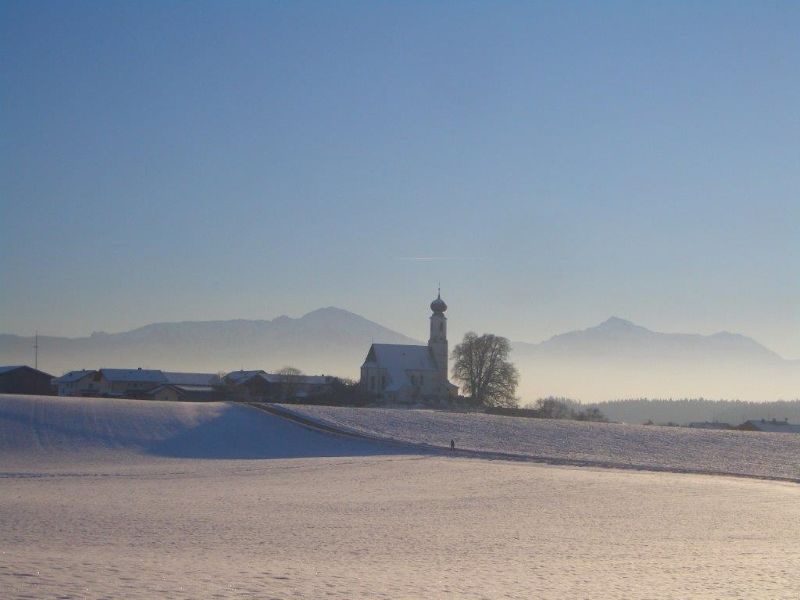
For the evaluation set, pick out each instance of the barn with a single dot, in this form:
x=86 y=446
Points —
x=25 y=380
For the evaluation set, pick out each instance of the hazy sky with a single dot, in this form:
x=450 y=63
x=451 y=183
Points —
x=570 y=161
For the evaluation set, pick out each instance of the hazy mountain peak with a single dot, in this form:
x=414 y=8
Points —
x=330 y=311
x=620 y=339
x=616 y=323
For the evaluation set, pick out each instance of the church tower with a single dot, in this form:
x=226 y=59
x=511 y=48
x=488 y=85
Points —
x=438 y=339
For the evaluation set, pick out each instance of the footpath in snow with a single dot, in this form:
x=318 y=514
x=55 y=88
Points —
x=750 y=454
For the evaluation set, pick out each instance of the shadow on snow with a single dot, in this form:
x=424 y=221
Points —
x=244 y=433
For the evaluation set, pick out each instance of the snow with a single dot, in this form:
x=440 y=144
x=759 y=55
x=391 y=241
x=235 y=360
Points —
x=111 y=498
x=49 y=432
x=141 y=375
x=73 y=376
x=192 y=379
x=569 y=442
x=774 y=426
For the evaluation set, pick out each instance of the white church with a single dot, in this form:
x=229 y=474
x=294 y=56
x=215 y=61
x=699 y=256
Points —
x=399 y=373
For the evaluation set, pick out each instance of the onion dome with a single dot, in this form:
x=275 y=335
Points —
x=438 y=305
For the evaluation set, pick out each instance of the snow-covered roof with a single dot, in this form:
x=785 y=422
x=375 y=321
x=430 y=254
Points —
x=195 y=388
x=242 y=376
x=297 y=379
x=74 y=376
x=191 y=378
x=398 y=359
x=140 y=375
x=7 y=369
x=237 y=377
x=772 y=426
x=183 y=388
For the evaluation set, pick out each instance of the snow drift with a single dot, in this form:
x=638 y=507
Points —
x=54 y=430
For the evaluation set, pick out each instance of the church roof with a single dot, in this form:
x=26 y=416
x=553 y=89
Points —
x=398 y=359
x=438 y=305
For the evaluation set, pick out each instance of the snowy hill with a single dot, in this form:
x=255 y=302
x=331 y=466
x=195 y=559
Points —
x=577 y=443
x=44 y=432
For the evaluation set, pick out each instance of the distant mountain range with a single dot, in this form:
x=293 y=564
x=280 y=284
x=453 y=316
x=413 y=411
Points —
x=619 y=359
x=618 y=339
x=616 y=359
x=328 y=340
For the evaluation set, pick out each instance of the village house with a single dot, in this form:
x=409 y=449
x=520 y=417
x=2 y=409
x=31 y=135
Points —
x=128 y=382
x=131 y=383
x=184 y=393
x=260 y=386
x=154 y=384
x=77 y=383
x=187 y=387
x=410 y=374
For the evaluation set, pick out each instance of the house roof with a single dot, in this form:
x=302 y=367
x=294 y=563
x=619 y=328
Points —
x=17 y=367
x=398 y=359
x=138 y=375
x=191 y=378
x=297 y=379
x=74 y=376
x=200 y=392
x=183 y=388
x=194 y=388
x=242 y=376
x=772 y=426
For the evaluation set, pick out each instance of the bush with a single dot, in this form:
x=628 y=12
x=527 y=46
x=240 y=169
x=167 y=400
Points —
x=553 y=408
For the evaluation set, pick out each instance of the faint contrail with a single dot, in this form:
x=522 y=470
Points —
x=432 y=258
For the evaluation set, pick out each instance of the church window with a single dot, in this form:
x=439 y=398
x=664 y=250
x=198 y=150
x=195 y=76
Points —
x=441 y=326
x=383 y=382
x=372 y=382
x=421 y=380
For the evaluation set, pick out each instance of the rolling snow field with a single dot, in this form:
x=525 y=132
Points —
x=678 y=449
x=105 y=498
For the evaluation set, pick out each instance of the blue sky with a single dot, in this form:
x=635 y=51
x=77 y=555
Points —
x=571 y=161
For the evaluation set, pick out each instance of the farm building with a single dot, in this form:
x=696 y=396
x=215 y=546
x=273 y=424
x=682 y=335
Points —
x=77 y=383
x=184 y=393
x=274 y=387
x=770 y=426
x=25 y=380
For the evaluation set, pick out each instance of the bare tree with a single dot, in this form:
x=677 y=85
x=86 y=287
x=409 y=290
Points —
x=289 y=378
x=556 y=408
x=481 y=364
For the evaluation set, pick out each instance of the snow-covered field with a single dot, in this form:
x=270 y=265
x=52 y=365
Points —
x=46 y=433
x=766 y=455
x=127 y=499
